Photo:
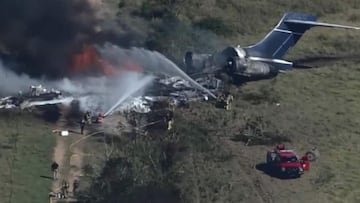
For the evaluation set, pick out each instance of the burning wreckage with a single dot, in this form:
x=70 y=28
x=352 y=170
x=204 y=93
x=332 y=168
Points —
x=164 y=91
x=37 y=95
x=154 y=111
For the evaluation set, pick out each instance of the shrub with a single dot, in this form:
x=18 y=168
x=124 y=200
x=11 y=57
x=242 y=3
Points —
x=216 y=25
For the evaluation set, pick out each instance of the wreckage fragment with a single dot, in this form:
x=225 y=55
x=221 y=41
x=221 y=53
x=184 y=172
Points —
x=37 y=95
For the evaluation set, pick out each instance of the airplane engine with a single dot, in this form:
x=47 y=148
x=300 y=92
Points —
x=238 y=63
x=258 y=69
x=231 y=60
x=248 y=68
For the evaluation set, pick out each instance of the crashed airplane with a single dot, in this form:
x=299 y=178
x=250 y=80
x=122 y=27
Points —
x=174 y=90
x=37 y=95
x=262 y=60
x=259 y=61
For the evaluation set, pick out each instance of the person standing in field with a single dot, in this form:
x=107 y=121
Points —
x=82 y=126
x=54 y=169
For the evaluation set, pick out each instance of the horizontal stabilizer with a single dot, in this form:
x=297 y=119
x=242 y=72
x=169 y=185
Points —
x=286 y=34
x=312 y=23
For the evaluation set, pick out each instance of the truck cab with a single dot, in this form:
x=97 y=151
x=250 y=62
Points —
x=285 y=163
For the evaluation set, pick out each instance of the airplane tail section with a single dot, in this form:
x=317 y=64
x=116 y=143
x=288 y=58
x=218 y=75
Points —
x=286 y=34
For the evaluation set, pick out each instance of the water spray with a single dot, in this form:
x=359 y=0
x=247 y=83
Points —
x=28 y=104
x=152 y=62
x=141 y=83
x=185 y=76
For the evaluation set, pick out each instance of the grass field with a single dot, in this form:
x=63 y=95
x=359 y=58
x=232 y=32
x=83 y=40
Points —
x=25 y=157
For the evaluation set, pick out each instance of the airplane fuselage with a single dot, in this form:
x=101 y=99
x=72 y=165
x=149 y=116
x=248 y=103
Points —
x=263 y=59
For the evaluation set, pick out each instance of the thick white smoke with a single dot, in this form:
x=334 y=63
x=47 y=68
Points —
x=99 y=94
x=11 y=83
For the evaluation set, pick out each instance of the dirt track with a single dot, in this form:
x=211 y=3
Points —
x=70 y=165
x=58 y=157
x=69 y=150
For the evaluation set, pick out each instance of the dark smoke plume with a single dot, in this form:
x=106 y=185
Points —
x=44 y=34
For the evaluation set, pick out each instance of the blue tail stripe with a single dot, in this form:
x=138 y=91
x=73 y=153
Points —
x=284 y=36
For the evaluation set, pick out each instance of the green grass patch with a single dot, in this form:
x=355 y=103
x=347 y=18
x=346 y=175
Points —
x=25 y=155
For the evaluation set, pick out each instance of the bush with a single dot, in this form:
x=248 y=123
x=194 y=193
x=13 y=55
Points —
x=216 y=25
x=173 y=38
x=154 y=9
x=265 y=94
x=258 y=131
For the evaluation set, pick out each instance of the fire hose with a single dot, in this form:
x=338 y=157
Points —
x=98 y=132
x=78 y=141
x=149 y=124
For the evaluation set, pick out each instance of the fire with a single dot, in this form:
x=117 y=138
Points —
x=89 y=60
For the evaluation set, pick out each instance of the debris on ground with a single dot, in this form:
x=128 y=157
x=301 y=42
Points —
x=61 y=132
x=174 y=89
x=257 y=131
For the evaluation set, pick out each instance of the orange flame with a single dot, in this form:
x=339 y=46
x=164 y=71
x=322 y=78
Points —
x=88 y=60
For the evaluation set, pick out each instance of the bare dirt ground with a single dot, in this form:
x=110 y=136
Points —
x=58 y=157
x=70 y=151
x=70 y=161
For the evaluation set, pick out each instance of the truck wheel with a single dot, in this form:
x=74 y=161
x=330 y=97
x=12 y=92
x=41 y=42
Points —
x=311 y=156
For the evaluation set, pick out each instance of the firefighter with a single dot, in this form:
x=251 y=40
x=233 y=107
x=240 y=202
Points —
x=82 y=126
x=170 y=120
x=32 y=90
x=75 y=186
x=100 y=118
x=54 y=169
x=221 y=101
x=64 y=188
x=229 y=99
x=87 y=117
x=280 y=147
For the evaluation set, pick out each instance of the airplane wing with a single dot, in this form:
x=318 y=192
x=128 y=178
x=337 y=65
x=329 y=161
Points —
x=314 y=23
